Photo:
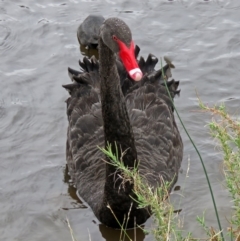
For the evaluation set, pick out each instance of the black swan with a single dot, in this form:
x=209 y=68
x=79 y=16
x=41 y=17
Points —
x=109 y=103
x=88 y=31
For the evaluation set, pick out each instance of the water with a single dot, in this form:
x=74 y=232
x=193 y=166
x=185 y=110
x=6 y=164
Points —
x=38 y=42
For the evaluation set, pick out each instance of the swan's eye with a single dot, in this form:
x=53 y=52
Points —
x=114 y=38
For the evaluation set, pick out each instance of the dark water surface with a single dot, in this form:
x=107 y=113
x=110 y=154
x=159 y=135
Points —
x=38 y=42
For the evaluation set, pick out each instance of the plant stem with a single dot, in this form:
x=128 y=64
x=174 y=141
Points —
x=200 y=157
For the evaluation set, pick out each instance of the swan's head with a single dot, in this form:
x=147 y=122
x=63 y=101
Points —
x=117 y=36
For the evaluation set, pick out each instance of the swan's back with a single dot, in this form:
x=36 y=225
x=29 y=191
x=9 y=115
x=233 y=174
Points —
x=158 y=142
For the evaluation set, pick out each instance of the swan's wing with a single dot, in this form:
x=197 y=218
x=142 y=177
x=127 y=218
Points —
x=156 y=135
x=85 y=130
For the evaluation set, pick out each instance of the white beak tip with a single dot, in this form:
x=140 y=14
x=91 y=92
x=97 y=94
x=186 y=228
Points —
x=136 y=74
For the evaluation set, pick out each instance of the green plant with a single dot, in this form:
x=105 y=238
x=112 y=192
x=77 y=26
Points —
x=198 y=153
x=226 y=129
x=165 y=220
x=211 y=233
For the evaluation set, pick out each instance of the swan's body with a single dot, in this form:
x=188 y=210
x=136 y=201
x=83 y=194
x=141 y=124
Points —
x=137 y=116
x=88 y=30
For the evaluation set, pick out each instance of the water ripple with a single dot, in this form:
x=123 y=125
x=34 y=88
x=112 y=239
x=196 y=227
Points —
x=7 y=39
x=19 y=72
x=229 y=4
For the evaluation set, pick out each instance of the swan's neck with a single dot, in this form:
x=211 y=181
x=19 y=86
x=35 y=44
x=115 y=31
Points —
x=117 y=126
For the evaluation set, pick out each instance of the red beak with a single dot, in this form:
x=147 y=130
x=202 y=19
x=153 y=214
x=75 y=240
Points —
x=129 y=61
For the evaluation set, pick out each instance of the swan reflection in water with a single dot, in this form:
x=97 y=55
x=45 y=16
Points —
x=89 y=52
x=109 y=234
